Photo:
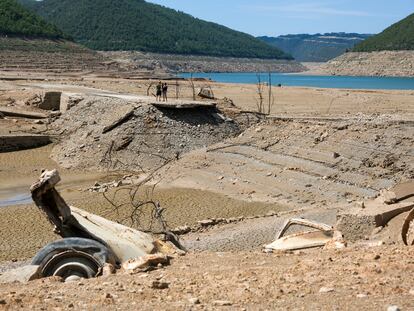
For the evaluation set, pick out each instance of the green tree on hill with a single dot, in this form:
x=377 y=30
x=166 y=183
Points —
x=399 y=36
x=138 y=25
x=15 y=20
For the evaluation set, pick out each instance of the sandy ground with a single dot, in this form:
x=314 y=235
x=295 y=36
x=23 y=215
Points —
x=351 y=279
x=263 y=170
x=229 y=182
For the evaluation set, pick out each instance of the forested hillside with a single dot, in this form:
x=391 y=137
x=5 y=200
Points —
x=316 y=48
x=15 y=20
x=138 y=25
x=398 y=37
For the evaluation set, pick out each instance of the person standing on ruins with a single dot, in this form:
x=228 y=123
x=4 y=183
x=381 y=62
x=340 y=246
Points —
x=159 y=88
x=164 y=92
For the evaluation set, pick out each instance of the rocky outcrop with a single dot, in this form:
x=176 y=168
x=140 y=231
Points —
x=385 y=63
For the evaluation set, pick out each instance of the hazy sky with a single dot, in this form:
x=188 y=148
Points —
x=277 y=17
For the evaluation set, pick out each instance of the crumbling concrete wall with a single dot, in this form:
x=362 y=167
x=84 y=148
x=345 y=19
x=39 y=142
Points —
x=51 y=101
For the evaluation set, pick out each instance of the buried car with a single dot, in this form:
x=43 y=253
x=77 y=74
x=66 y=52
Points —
x=320 y=235
x=89 y=241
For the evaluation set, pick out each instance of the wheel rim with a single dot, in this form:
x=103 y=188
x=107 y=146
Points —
x=71 y=265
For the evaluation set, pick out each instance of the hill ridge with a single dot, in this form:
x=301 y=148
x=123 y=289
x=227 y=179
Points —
x=315 y=47
x=16 y=20
x=139 y=25
x=397 y=37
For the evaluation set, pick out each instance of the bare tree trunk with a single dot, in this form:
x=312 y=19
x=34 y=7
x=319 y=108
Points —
x=149 y=86
x=177 y=89
x=270 y=93
x=192 y=87
x=260 y=94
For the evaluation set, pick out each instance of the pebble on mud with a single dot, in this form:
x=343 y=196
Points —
x=324 y=290
x=194 y=301
x=222 y=303
x=159 y=285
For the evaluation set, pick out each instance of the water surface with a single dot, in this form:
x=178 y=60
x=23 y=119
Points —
x=340 y=82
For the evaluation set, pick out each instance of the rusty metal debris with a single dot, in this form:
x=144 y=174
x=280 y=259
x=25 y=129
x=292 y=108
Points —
x=309 y=239
x=89 y=241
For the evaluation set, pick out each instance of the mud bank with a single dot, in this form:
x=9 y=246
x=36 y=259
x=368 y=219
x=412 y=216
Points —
x=386 y=63
x=9 y=143
x=191 y=63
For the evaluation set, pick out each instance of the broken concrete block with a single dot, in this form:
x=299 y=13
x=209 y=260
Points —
x=21 y=275
x=68 y=101
x=356 y=223
x=51 y=101
x=145 y=262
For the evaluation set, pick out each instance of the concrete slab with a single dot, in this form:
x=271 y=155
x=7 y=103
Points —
x=404 y=191
x=21 y=275
x=10 y=112
x=357 y=223
x=183 y=104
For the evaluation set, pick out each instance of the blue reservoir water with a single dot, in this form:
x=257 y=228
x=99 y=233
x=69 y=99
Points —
x=340 y=82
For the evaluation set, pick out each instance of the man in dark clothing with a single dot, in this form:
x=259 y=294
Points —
x=164 y=92
x=159 y=91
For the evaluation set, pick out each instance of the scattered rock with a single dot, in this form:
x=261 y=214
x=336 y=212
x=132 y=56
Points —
x=361 y=204
x=194 y=301
x=324 y=290
x=362 y=296
x=108 y=269
x=222 y=303
x=207 y=222
x=393 y=308
x=107 y=296
x=181 y=230
x=160 y=285
x=145 y=262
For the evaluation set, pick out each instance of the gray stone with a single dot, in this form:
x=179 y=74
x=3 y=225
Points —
x=222 y=303
x=160 y=285
x=194 y=301
x=21 y=275
x=324 y=290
